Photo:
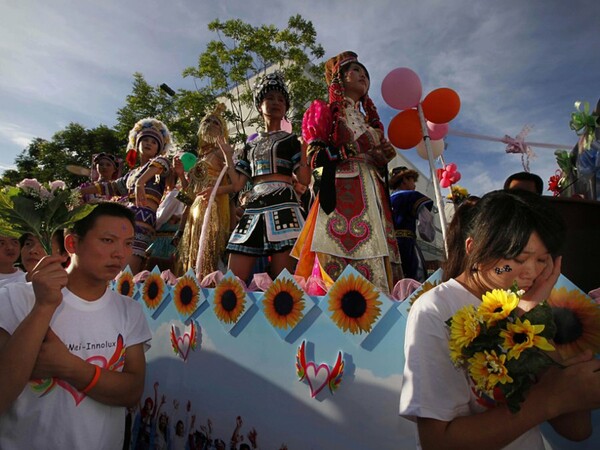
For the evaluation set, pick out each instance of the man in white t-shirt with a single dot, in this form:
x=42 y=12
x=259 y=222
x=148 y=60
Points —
x=9 y=253
x=72 y=350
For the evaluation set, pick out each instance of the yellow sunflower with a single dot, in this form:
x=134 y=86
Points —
x=230 y=300
x=577 y=320
x=283 y=303
x=354 y=304
x=497 y=305
x=464 y=329
x=487 y=370
x=186 y=295
x=153 y=290
x=428 y=285
x=125 y=284
x=520 y=336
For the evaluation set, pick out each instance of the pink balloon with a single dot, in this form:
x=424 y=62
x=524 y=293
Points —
x=401 y=88
x=437 y=148
x=437 y=131
x=286 y=126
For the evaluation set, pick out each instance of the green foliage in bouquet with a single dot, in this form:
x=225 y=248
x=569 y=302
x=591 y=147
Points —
x=39 y=209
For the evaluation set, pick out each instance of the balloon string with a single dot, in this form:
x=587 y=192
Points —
x=503 y=140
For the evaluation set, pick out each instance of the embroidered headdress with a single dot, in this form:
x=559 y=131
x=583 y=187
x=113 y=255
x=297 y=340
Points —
x=148 y=127
x=271 y=82
x=334 y=69
x=205 y=136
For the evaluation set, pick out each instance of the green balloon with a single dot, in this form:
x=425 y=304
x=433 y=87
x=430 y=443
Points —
x=188 y=160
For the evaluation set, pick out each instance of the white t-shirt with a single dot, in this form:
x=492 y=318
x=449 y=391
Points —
x=17 y=276
x=432 y=386
x=52 y=414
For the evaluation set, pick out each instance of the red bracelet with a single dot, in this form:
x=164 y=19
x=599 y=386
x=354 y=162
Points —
x=94 y=381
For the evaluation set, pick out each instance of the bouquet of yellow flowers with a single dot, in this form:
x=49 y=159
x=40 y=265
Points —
x=39 y=209
x=501 y=350
x=457 y=194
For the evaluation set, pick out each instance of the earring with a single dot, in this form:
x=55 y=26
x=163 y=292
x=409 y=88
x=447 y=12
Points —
x=500 y=270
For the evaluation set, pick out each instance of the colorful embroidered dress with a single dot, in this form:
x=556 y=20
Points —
x=145 y=217
x=359 y=231
x=273 y=217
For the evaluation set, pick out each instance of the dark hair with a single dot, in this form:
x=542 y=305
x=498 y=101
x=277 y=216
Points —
x=526 y=176
x=112 y=209
x=503 y=222
x=244 y=446
x=456 y=236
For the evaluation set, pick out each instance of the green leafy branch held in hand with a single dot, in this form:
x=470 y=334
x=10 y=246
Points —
x=39 y=209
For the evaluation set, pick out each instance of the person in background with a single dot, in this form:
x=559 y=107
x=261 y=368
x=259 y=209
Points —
x=105 y=167
x=9 y=254
x=144 y=185
x=512 y=237
x=32 y=251
x=525 y=180
x=350 y=223
x=272 y=219
x=71 y=349
x=409 y=208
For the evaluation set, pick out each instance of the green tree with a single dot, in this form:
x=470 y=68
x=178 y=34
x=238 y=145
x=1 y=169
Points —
x=242 y=52
x=181 y=112
x=47 y=160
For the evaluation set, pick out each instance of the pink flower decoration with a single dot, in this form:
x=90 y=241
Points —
x=30 y=183
x=58 y=184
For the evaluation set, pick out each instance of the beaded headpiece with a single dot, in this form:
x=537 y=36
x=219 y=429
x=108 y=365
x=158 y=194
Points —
x=148 y=127
x=271 y=82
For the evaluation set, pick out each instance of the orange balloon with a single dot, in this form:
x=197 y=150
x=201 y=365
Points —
x=441 y=105
x=405 y=130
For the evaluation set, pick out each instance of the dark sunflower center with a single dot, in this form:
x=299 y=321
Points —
x=568 y=326
x=354 y=304
x=283 y=303
x=229 y=300
x=498 y=309
x=125 y=286
x=153 y=290
x=186 y=295
x=520 y=338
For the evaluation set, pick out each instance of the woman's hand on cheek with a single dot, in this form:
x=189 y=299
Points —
x=543 y=284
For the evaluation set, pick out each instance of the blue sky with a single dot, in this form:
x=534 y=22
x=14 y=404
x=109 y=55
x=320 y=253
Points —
x=512 y=63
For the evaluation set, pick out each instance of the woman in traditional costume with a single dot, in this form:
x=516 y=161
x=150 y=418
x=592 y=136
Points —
x=144 y=185
x=206 y=174
x=351 y=221
x=273 y=218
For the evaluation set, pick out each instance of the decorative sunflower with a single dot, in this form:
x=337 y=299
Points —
x=522 y=335
x=186 y=295
x=577 y=320
x=153 y=290
x=283 y=304
x=125 y=284
x=229 y=300
x=487 y=370
x=497 y=305
x=464 y=329
x=354 y=304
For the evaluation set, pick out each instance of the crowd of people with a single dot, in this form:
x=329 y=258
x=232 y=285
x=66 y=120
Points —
x=67 y=334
